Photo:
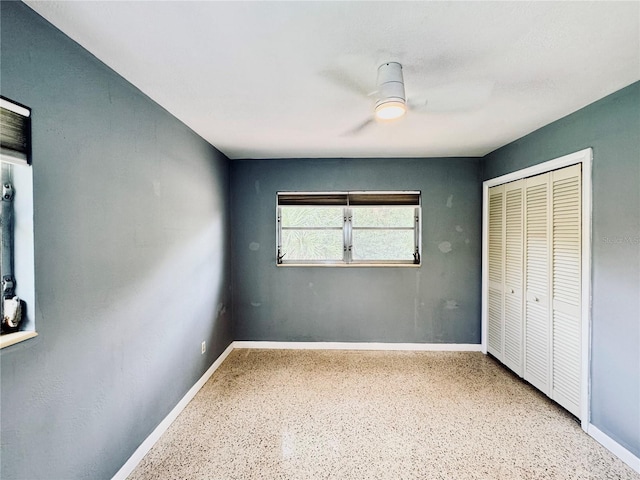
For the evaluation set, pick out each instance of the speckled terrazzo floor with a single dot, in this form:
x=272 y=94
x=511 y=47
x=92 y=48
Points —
x=284 y=414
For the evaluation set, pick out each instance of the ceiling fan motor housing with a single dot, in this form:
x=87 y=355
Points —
x=390 y=84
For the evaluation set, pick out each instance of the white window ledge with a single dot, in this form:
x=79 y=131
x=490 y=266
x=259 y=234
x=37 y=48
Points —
x=13 y=338
x=349 y=265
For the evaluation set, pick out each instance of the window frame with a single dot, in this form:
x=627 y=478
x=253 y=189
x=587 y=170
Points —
x=15 y=159
x=348 y=201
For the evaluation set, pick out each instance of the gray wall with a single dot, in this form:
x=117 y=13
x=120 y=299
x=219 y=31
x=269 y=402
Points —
x=133 y=268
x=612 y=127
x=438 y=302
x=132 y=271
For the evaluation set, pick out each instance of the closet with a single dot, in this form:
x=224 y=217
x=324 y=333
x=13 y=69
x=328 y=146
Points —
x=534 y=281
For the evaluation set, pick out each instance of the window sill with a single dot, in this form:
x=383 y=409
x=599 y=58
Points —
x=350 y=265
x=13 y=338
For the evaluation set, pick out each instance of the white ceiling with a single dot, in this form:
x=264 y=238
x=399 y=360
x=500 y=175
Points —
x=289 y=79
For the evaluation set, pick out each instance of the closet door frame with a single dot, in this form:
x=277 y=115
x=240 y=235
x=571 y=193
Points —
x=585 y=158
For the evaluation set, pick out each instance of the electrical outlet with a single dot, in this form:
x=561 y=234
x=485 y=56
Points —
x=204 y=347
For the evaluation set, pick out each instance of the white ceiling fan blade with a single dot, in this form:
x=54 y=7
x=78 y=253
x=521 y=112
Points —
x=358 y=128
x=345 y=81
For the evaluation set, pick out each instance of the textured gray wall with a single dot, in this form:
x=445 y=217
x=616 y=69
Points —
x=438 y=302
x=131 y=242
x=612 y=127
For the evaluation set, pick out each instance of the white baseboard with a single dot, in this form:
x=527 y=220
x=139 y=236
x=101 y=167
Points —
x=614 y=447
x=414 y=347
x=150 y=441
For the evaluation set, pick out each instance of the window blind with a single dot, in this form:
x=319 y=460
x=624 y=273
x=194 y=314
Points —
x=349 y=198
x=15 y=132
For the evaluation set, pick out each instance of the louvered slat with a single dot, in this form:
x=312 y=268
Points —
x=495 y=323
x=566 y=361
x=536 y=318
x=513 y=244
x=513 y=277
x=495 y=237
x=566 y=287
x=537 y=346
x=513 y=332
x=496 y=272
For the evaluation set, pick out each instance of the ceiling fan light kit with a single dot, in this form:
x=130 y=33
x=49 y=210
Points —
x=392 y=102
x=390 y=110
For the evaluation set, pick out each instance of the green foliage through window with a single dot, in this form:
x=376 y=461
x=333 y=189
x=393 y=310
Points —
x=312 y=232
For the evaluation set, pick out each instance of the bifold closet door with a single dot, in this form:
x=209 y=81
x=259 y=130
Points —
x=495 y=292
x=506 y=274
x=537 y=330
x=513 y=276
x=534 y=290
x=566 y=287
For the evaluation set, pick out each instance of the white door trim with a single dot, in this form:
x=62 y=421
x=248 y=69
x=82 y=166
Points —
x=584 y=157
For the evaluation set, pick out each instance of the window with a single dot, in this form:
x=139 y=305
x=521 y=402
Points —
x=16 y=219
x=348 y=228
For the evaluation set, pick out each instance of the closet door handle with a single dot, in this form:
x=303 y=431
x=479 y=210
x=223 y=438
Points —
x=536 y=299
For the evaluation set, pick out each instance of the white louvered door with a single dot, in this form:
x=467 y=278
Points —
x=534 y=289
x=537 y=342
x=513 y=276
x=566 y=292
x=496 y=273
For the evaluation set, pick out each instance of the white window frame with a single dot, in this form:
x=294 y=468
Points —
x=344 y=201
x=15 y=151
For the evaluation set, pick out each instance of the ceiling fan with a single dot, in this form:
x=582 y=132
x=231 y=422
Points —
x=391 y=100
x=392 y=103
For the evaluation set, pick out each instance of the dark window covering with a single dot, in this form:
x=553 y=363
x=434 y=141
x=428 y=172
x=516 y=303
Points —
x=15 y=135
x=348 y=198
